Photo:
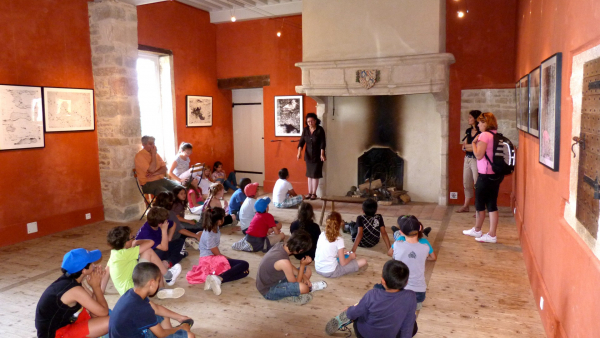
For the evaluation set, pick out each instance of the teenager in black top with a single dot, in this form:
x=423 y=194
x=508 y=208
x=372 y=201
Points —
x=313 y=136
x=470 y=163
x=306 y=221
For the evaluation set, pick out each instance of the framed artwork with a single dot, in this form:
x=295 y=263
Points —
x=534 y=102
x=68 y=109
x=288 y=115
x=517 y=100
x=549 y=121
x=199 y=111
x=523 y=104
x=21 y=116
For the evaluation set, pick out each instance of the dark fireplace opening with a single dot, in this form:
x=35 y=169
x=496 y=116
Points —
x=381 y=164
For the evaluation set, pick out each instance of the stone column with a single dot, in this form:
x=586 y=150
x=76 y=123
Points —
x=114 y=43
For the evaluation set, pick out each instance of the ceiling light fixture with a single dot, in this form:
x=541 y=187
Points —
x=280 y=29
x=232 y=11
x=461 y=14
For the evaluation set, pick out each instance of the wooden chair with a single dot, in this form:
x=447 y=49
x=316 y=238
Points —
x=148 y=198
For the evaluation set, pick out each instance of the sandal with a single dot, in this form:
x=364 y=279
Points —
x=307 y=196
x=313 y=197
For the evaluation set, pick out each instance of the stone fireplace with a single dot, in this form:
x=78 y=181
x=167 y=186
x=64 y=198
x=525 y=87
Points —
x=382 y=164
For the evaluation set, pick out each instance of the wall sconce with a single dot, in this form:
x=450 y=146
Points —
x=461 y=14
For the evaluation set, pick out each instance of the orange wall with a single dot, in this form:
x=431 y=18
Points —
x=48 y=45
x=252 y=48
x=483 y=43
x=187 y=32
x=561 y=267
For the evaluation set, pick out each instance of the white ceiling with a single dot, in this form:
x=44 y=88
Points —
x=222 y=10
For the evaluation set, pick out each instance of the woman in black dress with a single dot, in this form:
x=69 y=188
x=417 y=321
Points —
x=313 y=136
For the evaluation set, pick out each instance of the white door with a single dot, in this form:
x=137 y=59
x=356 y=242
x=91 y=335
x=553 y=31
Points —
x=248 y=134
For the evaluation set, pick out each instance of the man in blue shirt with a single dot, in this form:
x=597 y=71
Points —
x=135 y=316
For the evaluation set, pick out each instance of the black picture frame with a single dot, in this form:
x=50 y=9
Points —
x=198 y=111
x=27 y=117
x=534 y=102
x=549 y=117
x=523 y=104
x=52 y=123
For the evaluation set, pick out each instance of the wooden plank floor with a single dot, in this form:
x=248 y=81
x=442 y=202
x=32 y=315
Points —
x=474 y=290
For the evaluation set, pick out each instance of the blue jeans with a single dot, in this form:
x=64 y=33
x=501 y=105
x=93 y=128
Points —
x=282 y=290
x=230 y=182
x=179 y=334
x=420 y=295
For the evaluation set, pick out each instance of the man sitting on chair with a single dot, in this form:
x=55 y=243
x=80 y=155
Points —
x=151 y=169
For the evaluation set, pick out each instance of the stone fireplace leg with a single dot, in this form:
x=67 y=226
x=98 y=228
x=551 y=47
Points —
x=442 y=108
x=323 y=105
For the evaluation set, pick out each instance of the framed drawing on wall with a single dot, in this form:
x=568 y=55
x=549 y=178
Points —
x=21 y=116
x=534 y=102
x=199 y=111
x=523 y=104
x=517 y=100
x=68 y=109
x=288 y=115
x=550 y=88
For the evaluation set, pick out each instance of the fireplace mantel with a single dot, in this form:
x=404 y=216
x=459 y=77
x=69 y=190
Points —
x=401 y=75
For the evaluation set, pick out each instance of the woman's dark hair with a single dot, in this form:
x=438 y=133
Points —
x=395 y=274
x=118 y=236
x=164 y=199
x=76 y=274
x=369 y=207
x=176 y=192
x=283 y=173
x=299 y=242
x=210 y=217
x=306 y=215
x=216 y=165
x=475 y=114
x=184 y=146
x=244 y=182
x=314 y=116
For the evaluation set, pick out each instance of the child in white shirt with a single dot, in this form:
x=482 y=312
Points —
x=284 y=195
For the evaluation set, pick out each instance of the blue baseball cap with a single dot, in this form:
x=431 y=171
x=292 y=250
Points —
x=76 y=259
x=262 y=204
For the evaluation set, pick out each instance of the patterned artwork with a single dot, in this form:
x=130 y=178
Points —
x=67 y=109
x=199 y=111
x=550 y=111
x=22 y=124
x=288 y=115
x=523 y=104
x=534 y=102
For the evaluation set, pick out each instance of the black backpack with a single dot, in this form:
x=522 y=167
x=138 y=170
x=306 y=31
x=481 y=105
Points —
x=504 y=155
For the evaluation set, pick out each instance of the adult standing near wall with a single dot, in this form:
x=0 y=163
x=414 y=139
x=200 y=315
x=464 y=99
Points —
x=470 y=163
x=151 y=169
x=488 y=182
x=313 y=136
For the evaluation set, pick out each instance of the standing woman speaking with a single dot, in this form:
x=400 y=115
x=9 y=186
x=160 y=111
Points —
x=470 y=163
x=313 y=136
x=488 y=182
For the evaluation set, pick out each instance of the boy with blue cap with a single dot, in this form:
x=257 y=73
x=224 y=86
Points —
x=263 y=231
x=54 y=314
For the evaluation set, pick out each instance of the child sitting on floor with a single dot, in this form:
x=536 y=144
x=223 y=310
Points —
x=247 y=210
x=215 y=199
x=413 y=251
x=278 y=279
x=306 y=221
x=369 y=227
x=182 y=233
x=386 y=311
x=160 y=230
x=263 y=231
x=218 y=175
x=331 y=259
x=284 y=195
x=205 y=182
x=238 y=197
x=135 y=315
x=213 y=268
x=124 y=257
x=194 y=198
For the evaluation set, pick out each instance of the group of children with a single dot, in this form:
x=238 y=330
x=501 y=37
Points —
x=144 y=265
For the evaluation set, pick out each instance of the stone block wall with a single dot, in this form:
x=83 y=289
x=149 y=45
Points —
x=114 y=44
x=501 y=102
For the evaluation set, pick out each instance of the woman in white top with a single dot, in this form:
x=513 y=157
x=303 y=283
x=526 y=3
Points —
x=181 y=165
x=331 y=258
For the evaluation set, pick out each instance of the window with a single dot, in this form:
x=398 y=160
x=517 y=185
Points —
x=155 y=95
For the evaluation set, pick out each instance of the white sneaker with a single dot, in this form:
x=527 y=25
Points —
x=320 y=285
x=215 y=284
x=176 y=271
x=473 y=232
x=207 y=284
x=170 y=293
x=486 y=239
x=192 y=242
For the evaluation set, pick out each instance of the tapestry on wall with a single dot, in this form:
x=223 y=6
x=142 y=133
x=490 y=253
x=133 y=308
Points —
x=534 y=102
x=550 y=111
x=68 y=109
x=21 y=117
x=288 y=115
x=199 y=111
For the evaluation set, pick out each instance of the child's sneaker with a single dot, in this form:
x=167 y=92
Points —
x=300 y=300
x=320 y=285
x=472 y=232
x=215 y=284
x=426 y=231
x=192 y=242
x=170 y=293
x=486 y=239
x=337 y=323
x=175 y=271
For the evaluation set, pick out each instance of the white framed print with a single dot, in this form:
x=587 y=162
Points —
x=68 y=109
x=199 y=111
x=21 y=116
x=288 y=115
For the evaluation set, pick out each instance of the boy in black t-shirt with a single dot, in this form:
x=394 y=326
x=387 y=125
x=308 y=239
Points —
x=369 y=227
x=135 y=316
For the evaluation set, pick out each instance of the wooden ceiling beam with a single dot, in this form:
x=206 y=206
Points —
x=245 y=82
x=222 y=3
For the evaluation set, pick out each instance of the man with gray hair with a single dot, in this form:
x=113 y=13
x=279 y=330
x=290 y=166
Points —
x=151 y=169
